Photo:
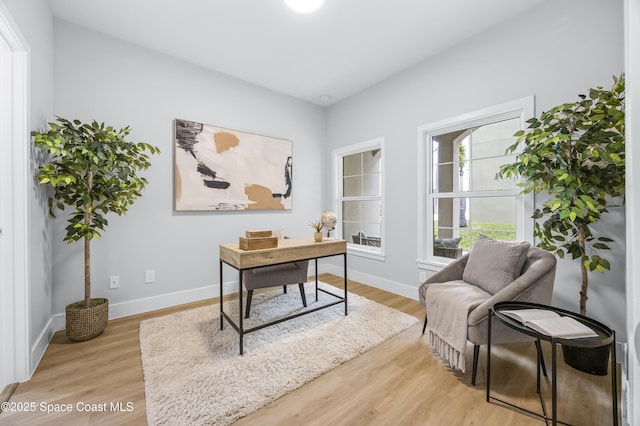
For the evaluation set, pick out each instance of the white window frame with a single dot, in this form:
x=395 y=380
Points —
x=522 y=108
x=376 y=253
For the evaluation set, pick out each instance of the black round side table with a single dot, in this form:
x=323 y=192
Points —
x=605 y=337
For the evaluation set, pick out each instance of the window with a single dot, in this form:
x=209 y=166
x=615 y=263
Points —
x=359 y=183
x=461 y=198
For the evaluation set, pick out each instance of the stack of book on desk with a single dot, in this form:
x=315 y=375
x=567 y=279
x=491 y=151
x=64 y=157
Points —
x=551 y=323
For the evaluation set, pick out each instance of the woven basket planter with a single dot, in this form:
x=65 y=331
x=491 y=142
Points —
x=87 y=323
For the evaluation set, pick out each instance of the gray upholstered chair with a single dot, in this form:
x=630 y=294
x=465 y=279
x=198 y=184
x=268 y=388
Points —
x=533 y=284
x=276 y=275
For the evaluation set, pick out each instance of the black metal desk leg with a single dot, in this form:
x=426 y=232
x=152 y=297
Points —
x=489 y=315
x=345 y=285
x=316 y=260
x=241 y=332
x=554 y=383
x=221 y=301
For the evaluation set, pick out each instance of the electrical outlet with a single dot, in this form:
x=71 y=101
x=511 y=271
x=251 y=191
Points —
x=114 y=281
x=150 y=277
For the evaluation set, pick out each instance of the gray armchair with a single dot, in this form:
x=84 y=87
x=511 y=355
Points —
x=276 y=275
x=533 y=284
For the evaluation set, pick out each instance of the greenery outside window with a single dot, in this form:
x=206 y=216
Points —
x=461 y=198
x=359 y=197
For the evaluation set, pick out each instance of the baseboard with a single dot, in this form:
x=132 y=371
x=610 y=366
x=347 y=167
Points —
x=395 y=287
x=624 y=401
x=622 y=356
x=41 y=343
x=138 y=306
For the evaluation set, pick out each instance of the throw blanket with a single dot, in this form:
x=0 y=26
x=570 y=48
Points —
x=448 y=306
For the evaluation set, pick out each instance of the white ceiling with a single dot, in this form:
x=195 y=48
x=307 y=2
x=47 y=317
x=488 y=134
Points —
x=339 y=50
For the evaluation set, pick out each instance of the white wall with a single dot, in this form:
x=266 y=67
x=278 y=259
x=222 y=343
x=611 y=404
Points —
x=36 y=25
x=103 y=78
x=555 y=51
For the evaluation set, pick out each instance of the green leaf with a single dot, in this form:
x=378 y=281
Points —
x=601 y=246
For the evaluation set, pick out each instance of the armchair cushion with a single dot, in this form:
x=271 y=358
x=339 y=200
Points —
x=493 y=265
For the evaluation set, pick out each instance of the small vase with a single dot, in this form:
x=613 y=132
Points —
x=317 y=236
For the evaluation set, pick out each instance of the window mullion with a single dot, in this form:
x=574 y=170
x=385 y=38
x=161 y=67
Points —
x=476 y=194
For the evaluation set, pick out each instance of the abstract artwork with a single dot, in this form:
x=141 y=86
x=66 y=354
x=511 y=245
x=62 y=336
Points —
x=223 y=169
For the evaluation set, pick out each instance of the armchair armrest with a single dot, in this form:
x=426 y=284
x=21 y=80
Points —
x=453 y=271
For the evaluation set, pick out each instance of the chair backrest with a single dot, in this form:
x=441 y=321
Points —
x=540 y=268
x=540 y=258
x=535 y=284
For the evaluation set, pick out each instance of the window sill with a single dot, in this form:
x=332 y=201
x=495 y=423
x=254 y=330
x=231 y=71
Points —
x=356 y=250
x=433 y=264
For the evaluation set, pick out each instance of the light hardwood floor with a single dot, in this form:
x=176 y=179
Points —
x=399 y=382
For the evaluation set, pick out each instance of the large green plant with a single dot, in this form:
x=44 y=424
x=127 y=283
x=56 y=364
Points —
x=575 y=152
x=92 y=168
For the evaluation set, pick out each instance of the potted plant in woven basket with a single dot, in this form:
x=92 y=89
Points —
x=91 y=169
x=575 y=152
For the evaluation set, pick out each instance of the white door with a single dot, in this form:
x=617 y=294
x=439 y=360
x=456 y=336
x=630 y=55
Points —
x=6 y=320
x=15 y=357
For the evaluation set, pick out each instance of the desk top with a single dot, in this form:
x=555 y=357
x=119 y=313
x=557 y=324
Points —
x=288 y=250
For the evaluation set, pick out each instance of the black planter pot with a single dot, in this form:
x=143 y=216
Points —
x=589 y=360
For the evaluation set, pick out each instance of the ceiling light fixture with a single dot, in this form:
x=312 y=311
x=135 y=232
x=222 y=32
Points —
x=304 y=6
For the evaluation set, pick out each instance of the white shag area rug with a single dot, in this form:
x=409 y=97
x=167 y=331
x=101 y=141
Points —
x=194 y=375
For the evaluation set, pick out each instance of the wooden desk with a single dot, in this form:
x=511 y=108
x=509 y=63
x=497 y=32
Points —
x=288 y=250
